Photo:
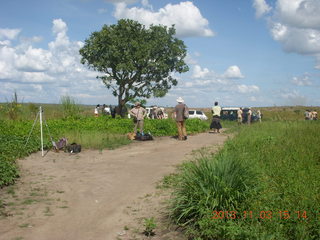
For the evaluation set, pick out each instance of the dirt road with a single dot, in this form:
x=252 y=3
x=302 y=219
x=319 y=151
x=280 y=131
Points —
x=84 y=196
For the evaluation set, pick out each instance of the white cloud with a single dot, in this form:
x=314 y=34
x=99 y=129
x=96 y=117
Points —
x=294 y=98
x=296 y=25
x=198 y=72
x=185 y=16
x=233 y=72
x=302 y=80
x=6 y=33
x=146 y=4
x=302 y=41
x=59 y=29
x=43 y=75
x=190 y=60
x=261 y=7
x=317 y=62
x=299 y=13
x=246 y=88
x=36 y=77
x=33 y=60
x=5 y=43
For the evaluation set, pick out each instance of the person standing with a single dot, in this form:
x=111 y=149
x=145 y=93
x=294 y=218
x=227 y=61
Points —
x=106 y=110
x=249 y=114
x=314 y=115
x=216 y=112
x=259 y=115
x=180 y=111
x=96 y=110
x=239 y=115
x=138 y=113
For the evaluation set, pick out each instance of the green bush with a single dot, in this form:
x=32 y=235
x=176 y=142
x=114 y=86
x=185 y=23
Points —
x=8 y=171
x=211 y=183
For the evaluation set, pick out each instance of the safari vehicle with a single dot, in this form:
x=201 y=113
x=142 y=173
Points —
x=230 y=113
x=197 y=114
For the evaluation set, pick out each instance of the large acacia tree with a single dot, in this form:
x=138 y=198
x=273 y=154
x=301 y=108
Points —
x=135 y=61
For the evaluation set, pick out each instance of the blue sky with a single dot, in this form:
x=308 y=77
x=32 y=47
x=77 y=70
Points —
x=240 y=53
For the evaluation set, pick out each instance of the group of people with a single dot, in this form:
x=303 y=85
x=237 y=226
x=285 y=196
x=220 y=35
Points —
x=311 y=115
x=181 y=111
x=180 y=114
x=246 y=117
x=156 y=113
x=104 y=110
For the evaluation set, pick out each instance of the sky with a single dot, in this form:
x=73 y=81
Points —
x=240 y=53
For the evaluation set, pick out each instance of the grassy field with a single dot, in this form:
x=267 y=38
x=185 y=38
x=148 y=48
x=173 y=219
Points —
x=100 y=133
x=262 y=185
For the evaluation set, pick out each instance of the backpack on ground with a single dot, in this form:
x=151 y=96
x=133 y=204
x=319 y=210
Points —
x=73 y=148
x=144 y=137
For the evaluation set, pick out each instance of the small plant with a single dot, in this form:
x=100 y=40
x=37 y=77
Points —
x=33 y=109
x=11 y=191
x=25 y=225
x=150 y=225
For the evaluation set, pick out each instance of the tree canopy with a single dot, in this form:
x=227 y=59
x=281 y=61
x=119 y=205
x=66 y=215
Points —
x=136 y=61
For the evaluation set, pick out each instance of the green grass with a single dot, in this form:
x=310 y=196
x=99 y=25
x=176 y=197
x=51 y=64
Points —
x=96 y=139
x=270 y=168
x=94 y=133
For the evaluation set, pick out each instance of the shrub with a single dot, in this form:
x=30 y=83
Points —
x=211 y=183
x=8 y=172
x=70 y=108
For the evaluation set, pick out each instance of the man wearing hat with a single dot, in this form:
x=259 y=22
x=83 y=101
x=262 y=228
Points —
x=138 y=113
x=181 y=112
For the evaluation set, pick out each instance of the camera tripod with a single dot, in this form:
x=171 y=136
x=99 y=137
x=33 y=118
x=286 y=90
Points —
x=41 y=118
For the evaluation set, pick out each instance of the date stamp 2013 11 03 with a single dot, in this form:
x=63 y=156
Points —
x=298 y=215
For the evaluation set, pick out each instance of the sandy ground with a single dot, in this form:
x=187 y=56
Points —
x=95 y=194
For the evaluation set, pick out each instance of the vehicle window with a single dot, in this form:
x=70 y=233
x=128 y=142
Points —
x=199 y=112
x=191 y=112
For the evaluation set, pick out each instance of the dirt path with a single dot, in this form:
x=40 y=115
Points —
x=85 y=196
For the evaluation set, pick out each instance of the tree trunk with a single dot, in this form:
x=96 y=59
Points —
x=121 y=106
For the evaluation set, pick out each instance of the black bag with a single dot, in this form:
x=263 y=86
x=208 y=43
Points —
x=73 y=148
x=144 y=137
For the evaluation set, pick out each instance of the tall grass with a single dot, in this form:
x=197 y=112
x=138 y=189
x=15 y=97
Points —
x=70 y=108
x=283 y=160
x=12 y=109
x=211 y=183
